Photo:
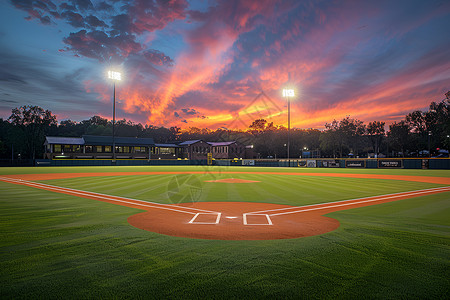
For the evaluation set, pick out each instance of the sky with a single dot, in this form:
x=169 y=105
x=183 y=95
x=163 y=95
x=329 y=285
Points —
x=224 y=63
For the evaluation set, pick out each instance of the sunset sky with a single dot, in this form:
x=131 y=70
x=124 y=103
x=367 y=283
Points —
x=204 y=63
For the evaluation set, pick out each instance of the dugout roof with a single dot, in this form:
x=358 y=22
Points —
x=59 y=140
x=97 y=140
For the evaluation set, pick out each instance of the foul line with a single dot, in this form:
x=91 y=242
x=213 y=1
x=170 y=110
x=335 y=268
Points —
x=103 y=196
x=328 y=205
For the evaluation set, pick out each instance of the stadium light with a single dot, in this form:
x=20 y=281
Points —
x=115 y=76
x=289 y=93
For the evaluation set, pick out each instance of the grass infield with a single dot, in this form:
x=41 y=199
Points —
x=61 y=246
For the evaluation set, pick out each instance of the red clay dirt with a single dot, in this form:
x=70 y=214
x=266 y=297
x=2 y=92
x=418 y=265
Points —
x=231 y=225
x=232 y=180
x=286 y=222
x=237 y=220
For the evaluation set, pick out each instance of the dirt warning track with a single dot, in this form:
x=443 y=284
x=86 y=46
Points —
x=232 y=220
x=426 y=179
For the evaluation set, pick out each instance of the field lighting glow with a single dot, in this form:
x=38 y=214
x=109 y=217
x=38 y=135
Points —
x=288 y=93
x=114 y=75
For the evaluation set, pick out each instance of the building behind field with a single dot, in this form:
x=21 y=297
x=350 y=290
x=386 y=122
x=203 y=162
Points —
x=100 y=147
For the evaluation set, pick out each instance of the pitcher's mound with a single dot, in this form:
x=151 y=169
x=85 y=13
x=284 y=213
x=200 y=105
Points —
x=232 y=180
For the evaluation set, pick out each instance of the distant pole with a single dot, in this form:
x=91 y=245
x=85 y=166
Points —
x=429 y=143
x=289 y=132
x=114 y=123
x=288 y=93
x=114 y=76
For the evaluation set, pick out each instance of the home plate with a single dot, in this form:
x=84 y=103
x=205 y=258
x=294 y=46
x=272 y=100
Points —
x=231 y=217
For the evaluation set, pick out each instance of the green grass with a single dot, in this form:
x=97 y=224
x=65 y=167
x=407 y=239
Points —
x=60 y=246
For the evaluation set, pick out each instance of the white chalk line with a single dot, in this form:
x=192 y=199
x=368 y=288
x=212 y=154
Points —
x=352 y=201
x=192 y=221
x=104 y=196
x=244 y=217
x=341 y=201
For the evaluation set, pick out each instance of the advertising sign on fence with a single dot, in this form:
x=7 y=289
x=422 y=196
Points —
x=330 y=164
x=311 y=163
x=301 y=163
x=248 y=162
x=390 y=163
x=355 y=164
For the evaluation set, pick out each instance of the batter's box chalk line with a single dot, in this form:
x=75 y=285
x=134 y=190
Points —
x=199 y=215
x=268 y=221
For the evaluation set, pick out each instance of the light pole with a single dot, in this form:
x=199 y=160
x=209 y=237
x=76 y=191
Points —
x=289 y=93
x=429 y=143
x=114 y=76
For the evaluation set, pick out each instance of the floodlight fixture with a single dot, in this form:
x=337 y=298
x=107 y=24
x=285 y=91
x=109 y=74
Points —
x=114 y=75
x=288 y=93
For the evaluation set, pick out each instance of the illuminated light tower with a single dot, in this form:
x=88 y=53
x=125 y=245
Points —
x=288 y=93
x=115 y=76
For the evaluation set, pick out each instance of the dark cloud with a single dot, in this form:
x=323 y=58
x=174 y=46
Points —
x=104 y=6
x=110 y=35
x=158 y=58
x=82 y=5
x=44 y=5
x=99 y=45
x=37 y=10
x=151 y=15
x=45 y=20
x=189 y=111
x=66 y=6
x=55 y=14
x=74 y=19
x=23 y=4
x=122 y=24
x=94 y=22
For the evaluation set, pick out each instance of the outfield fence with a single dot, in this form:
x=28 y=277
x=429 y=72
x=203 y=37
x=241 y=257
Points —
x=361 y=163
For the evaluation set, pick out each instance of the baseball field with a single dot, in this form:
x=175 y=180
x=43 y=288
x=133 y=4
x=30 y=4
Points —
x=224 y=232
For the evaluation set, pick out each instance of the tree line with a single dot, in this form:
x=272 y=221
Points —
x=420 y=133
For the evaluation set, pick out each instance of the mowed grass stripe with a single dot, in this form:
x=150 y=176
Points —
x=148 y=187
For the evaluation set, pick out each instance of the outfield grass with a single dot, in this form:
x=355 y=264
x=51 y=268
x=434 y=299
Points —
x=60 y=246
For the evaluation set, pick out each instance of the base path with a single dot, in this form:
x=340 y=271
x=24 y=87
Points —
x=258 y=221
x=232 y=220
x=233 y=223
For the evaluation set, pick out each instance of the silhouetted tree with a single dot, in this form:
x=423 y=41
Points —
x=258 y=125
x=399 y=135
x=376 y=133
x=34 y=122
